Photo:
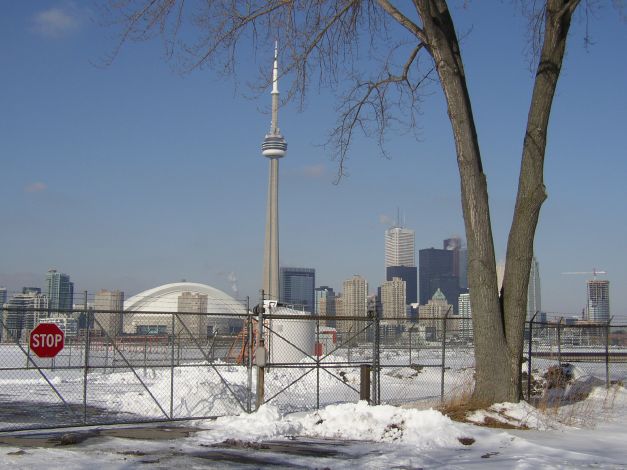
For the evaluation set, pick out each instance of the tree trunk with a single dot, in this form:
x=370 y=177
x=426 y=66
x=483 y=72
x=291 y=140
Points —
x=498 y=323
x=531 y=191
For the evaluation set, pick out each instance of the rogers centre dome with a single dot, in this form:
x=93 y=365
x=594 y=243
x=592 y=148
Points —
x=144 y=312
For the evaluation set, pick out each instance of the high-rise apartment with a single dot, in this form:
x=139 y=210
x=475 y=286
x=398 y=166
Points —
x=297 y=287
x=354 y=303
x=409 y=274
x=465 y=317
x=598 y=304
x=22 y=313
x=393 y=300
x=534 y=304
x=108 y=308
x=59 y=290
x=3 y=296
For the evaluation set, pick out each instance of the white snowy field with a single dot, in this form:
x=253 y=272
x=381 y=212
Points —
x=587 y=434
x=344 y=433
x=199 y=389
x=195 y=388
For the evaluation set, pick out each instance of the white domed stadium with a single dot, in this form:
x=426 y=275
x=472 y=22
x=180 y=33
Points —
x=149 y=312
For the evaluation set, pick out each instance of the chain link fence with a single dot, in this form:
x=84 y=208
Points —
x=317 y=361
x=171 y=368
x=561 y=352
x=122 y=367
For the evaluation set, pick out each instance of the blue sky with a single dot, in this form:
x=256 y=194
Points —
x=132 y=175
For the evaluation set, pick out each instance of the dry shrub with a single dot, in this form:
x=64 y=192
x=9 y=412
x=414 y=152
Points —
x=565 y=399
x=458 y=402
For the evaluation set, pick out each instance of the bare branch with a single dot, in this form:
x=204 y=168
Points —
x=369 y=102
x=322 y=37
x=403 y=20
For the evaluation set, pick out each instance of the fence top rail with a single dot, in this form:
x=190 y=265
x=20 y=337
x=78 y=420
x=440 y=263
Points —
x=91 y=310
x=562 y=325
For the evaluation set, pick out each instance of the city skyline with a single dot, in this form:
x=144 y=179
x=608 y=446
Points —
x=299 y=288
x=126 y=177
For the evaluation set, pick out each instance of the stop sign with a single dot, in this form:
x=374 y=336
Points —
x=47 y=339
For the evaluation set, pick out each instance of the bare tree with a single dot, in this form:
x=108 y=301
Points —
x=326 y=42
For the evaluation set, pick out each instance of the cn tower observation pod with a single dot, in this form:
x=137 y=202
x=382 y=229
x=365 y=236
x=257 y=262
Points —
x=274 y=146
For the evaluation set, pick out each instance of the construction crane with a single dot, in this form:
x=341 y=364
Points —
x=594 y=272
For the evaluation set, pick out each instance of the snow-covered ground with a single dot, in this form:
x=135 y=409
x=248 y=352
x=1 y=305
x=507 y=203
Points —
x=360 y=436
x=199 y=389
x=344 y=433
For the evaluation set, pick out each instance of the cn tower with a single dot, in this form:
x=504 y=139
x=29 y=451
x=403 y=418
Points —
x=274 y=147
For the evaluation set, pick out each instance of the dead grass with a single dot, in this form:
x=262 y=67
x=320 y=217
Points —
x=565 y=402
x=575 y=409
x=458 y=403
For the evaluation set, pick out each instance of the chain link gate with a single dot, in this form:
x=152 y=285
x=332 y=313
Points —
x=405 y=364
x=100 y=378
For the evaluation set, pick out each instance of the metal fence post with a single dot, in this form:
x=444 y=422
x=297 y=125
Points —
x=106 y=363
x=443 y=353
x=607 y=353
x=260 y=346
x=172 y=336
x=529 y=356
x=375 y=396
x=559 y=342
x=378 y=371
x=145 y=351
x=318 y=352
x=364 y=383
x=411 y=329
x=86 y=365
x=248 y=355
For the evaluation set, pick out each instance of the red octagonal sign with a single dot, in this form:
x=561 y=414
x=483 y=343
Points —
x=47 y=339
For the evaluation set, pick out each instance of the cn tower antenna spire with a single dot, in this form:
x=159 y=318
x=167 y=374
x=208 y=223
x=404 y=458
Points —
x=274 y=148
x=275 y=69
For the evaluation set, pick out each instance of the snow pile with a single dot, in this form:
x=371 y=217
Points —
x=384 y=423
x=265 y=423
x=426 y=429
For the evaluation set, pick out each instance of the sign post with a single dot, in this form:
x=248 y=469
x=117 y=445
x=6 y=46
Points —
x=47 y=340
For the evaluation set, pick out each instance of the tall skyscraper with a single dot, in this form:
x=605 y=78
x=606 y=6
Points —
x=399 y=247
x=393 y=300
x=110 y=321
x=274 y=147
x=534 y=303
x=436 y=271
x=598 y=303
x=400 y=260
x=297 y=287
x=59 y=290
